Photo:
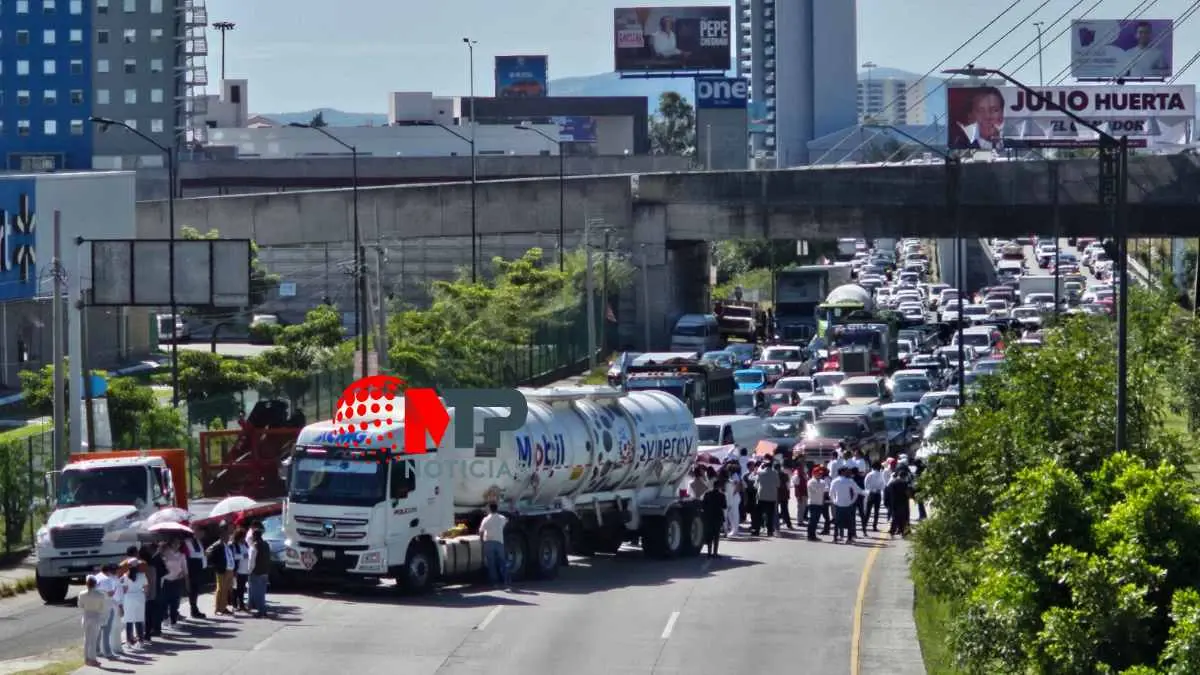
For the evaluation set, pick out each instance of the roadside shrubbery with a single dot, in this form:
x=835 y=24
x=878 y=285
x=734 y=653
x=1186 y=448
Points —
x=1055 y=553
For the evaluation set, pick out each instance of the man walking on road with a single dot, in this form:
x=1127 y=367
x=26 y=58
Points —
x=491 y=530
x=815 y=500
x=874 y=484
x=845 y=493
x=768 y=494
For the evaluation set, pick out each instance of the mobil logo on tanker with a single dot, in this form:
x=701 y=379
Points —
x=669 y=448
x=541 y=451
x=721 y=92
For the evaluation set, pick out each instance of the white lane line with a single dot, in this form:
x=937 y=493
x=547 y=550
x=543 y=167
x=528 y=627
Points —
x=491 y=616
x=670 y=625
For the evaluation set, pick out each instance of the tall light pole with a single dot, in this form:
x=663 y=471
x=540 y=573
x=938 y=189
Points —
x=169 y=156
x=224 y=27
x=953 y=174
x=562 y=190
x=360 y=277
x=1041 y=76
x=1114 y=194
x=474 y=182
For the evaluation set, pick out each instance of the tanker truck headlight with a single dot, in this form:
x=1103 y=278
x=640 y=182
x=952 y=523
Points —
x=371 y=559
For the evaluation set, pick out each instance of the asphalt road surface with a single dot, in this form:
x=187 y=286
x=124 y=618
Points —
x=770 y=605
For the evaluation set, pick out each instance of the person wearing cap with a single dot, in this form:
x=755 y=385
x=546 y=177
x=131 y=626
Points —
x=844 y=493
x=94 y=605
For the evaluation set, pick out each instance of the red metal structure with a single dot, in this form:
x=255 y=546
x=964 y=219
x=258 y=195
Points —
x=246 y=461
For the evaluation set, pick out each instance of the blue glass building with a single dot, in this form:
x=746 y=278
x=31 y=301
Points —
x=45 y=84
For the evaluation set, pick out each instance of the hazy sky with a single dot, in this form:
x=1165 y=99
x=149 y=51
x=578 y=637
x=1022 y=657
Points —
x=302 y=54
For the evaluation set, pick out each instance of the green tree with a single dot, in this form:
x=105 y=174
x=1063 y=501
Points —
x=204 y=375
x=16 y=495
x=673 y=126
x=262 y=282
x=37 y=389
x=1056 y=555
x=128 y=405
x=301 y=350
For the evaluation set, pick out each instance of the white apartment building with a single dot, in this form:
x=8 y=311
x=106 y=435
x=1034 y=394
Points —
x=892 y=101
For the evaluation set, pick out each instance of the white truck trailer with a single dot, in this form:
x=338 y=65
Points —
x=590 y=469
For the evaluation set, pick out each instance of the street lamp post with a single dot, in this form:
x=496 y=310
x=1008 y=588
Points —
x=360 y=277
x=474 y=182
x=169 y=154
x=1041 y=76
x=562 y=190
x=1114 y=194
x=224 y=27
x=953 y=173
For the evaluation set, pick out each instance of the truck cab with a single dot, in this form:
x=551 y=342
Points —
x=100 y=503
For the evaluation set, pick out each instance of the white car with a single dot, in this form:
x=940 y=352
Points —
x=976 y=312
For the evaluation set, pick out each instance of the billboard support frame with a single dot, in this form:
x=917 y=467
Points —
x=213 y=300
x=679 y=74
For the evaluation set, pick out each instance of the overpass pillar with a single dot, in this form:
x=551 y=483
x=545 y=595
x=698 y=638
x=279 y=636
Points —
x=652 y=291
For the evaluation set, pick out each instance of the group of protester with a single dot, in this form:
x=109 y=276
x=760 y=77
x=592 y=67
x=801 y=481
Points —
x=846 y=494
x=144 y=592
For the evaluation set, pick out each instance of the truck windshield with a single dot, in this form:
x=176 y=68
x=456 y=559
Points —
x=337 y=477
x=857 y=338
x=672 y=386
x=103 y=485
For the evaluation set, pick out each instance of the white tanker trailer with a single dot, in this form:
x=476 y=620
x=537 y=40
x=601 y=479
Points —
x=590 y=469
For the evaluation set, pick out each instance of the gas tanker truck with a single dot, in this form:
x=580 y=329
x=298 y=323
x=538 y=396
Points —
x=588 y=470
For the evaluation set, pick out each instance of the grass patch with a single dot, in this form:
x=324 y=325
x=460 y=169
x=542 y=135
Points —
x=66 y=661
x=21 y=433
x=10 y=589
x=933 y=620
x=598 y=375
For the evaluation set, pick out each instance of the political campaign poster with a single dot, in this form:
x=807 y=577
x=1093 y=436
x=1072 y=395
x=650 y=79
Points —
x=672 y=39
x=1137 y=49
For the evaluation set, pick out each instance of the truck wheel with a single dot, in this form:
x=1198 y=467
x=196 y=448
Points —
x=516 y=554
x=547 y=553
x=675 y=534
x=53 y=590
x=420 y=570
x=694 y=530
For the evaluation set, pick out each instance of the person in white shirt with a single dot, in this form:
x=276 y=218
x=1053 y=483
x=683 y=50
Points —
x=491 y=531
x=664 y=41
x=133 y=606
x=733 y=499
x=1144 y=59
x=874 y=484
x=241 y=559
x=106 y=586
x=844 y=492
x=814 y=500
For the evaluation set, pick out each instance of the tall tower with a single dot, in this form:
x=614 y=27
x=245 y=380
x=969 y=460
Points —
x=800 y=57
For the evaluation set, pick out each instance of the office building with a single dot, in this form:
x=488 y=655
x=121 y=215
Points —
x=800 y=57
x=140 y=62
x=896 y=100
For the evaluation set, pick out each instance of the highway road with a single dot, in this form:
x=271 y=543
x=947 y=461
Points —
x=770 y=605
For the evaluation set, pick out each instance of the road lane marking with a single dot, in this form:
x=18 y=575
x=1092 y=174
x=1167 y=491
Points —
x=491 y=616
x=859 y=601
x=670 y=625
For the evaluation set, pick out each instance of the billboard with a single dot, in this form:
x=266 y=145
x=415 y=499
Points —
x=722 y=93
x=672 y=39
x=993 y=118
x=137 y=272
x=1138 y=49
x=522 y=76
x=576 y=129
x=18 y=239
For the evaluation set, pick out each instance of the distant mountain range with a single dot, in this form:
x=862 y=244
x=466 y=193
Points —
x=602 y=84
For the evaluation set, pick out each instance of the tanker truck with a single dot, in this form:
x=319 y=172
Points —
x=589 y=469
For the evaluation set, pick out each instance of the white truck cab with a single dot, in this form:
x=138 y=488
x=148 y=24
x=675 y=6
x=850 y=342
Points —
x=99 y=507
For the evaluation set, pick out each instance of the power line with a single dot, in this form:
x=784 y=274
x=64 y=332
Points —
x=933 y=70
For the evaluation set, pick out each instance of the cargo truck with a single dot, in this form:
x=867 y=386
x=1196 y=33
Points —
x=589 y=469
x=706 y=388
x=798 y=293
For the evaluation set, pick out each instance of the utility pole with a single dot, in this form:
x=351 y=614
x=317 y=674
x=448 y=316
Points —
x=474 y=161
x=591 y=293
x=1053 y=167
x=58 y=319
x=381 y=307
x=708 y=147
x=646 y=297
x=89 y=415
x=604 y=294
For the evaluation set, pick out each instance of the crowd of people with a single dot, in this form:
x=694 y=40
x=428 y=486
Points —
x=844 y=495
x=136 y=598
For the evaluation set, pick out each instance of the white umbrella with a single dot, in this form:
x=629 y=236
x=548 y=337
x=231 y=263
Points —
x=231 y=505
x=170 y=528
x=169 y=515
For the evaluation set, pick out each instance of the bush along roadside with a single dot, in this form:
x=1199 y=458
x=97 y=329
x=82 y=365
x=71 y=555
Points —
x=10 y=589
x=1052 y=552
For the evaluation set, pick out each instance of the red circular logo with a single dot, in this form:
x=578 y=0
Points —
x=367 y=410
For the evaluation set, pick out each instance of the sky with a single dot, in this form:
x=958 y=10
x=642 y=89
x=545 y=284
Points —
x=304 y=54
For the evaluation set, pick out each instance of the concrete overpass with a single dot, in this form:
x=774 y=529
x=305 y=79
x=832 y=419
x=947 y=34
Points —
x=671 y=217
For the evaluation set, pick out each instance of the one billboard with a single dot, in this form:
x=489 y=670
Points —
x=576 y=129
x=722 y=93
x=137 y=272
x=522 y=76
x=18 y=239
x=993 y=118
x=1135 y=49
x=672 y=39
